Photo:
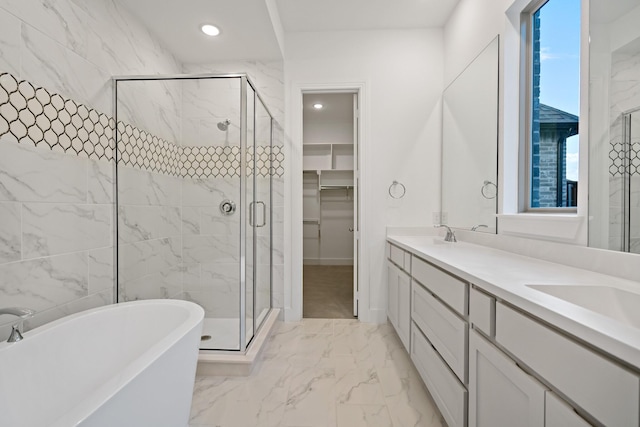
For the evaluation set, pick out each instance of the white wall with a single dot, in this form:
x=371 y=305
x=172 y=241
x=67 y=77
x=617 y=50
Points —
x=402 y=75
x=470 y=28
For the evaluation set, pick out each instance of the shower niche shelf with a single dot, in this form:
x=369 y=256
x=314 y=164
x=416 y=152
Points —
x=327 y=157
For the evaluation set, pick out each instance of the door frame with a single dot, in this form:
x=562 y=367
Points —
x=294 y=311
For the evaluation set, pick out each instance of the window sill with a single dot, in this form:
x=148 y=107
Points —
x=561 y=227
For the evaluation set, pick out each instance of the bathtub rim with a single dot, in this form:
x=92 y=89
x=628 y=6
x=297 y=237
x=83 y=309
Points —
x=85 y=407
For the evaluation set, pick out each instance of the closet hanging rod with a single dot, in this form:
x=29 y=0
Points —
x=336 y=187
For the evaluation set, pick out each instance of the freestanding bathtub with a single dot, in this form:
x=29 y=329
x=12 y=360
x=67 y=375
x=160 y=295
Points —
x=130 y=364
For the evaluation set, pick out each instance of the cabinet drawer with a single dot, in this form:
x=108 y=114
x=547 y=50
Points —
x=449 y=289
x=447 y=392
x=482 y=311
x=608 y=392
x=558 y=414
x=397 y=256
x=446 y=331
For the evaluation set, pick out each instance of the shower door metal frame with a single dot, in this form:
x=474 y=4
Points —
x=626 y=178
x=245 y=80
x=243 y=225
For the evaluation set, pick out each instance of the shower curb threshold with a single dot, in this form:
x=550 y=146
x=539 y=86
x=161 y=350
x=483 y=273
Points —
x=220 y=363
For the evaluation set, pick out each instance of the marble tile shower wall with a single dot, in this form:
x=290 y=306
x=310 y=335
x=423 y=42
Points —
x=268 y=76
x=56 y=208
x=625 y=96
x=149 y=235
x=149 y=189
x=205 y=104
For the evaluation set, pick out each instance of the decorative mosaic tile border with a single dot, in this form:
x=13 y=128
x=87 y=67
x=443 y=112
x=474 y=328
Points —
x=617 y=156
x=205 y=162
x=33 y=115
x=277 y=161
x=140 y=149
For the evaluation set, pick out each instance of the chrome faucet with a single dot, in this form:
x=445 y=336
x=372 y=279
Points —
x=475 y=227
x=450 y=237
x=16 y=328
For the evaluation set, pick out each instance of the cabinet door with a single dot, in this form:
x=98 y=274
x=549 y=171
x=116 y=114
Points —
x=404 y=308
x=559 y=414
x=392 y=297
x=500 y=393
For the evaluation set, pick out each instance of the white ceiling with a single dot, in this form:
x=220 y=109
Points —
x=247 y=31
x=245 y=25
x=337 y=106
x=332 y=15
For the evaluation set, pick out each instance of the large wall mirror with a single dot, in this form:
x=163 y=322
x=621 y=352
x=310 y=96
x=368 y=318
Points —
x=614 y=125
x=470 y=145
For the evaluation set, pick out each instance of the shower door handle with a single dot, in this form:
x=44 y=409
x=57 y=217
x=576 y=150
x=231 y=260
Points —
x=251 y=214
x=264 y=214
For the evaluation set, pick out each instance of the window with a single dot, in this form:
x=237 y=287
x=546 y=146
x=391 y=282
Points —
x=553 y=104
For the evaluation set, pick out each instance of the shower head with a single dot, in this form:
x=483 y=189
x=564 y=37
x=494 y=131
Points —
x=223 y=126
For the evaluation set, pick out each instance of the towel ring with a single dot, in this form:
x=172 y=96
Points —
x=484 y=188
x=394 y=185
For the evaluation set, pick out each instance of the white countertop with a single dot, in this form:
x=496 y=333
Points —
x=506 y=275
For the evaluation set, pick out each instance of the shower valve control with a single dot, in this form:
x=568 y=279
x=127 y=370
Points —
x=227 y=207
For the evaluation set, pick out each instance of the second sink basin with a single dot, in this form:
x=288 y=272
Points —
x=621 y=305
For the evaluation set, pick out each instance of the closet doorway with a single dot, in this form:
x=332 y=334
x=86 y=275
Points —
x=330 y=204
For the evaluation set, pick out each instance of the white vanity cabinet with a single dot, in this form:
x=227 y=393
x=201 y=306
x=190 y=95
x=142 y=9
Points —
x=399 y=292
x=488 y=362
x=500 y=393
x=605 y=390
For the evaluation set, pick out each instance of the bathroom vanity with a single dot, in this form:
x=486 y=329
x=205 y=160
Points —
x=506 y=340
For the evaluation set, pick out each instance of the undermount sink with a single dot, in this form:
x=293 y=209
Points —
x=618 y=304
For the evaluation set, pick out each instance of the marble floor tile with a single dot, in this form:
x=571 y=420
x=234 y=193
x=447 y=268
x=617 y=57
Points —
x=413 y=406
x=319 y=372
x=318 y=326
x=311 y=398
x=359 y=387
x=363 y=416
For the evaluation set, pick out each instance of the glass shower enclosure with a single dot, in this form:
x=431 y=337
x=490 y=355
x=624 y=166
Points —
x=193 y=199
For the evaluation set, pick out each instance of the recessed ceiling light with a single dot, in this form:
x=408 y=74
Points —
x=318 y=106
x=210 y=30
